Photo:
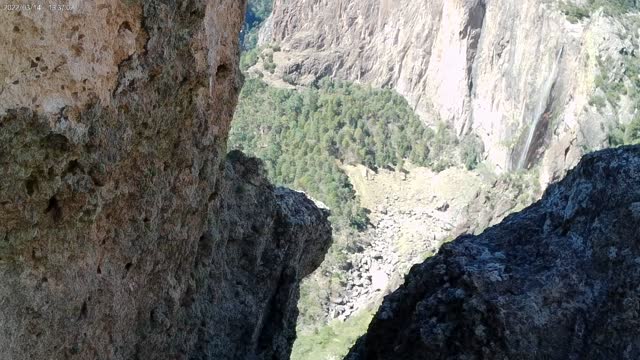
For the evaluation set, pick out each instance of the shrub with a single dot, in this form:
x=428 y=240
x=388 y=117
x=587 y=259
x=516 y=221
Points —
x=616 y=136
x=289 y=79
x=598 y=101
x=267 y=59
x=632 y=132
x=574 y=13
x=471 y=150
x=248 y=59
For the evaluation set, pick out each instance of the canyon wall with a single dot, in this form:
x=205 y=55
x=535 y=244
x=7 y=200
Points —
x=125 y=230
x=518 y=74
x=558 y=280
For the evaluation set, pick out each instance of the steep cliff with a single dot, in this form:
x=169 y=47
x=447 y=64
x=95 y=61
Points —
x=521 y=75
x=555 y=281
x=124 y=232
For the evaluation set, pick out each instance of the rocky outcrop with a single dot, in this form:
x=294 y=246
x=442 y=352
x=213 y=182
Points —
x=555 y=281
x=124 y=232
x=518 y=74
x=271 y=238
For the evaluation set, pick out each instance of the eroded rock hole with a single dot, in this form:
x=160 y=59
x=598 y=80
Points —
x=31 y=185
x=53 y=208
x=188 y=298
x=127 y=267
x=56 y=142
x=73 y=167
x=223 y=72
x=97 y=176
x=125 y=26
x=83 y=311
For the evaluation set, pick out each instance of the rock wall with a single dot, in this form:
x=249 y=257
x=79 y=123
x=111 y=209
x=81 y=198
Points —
x=516 y=73
x=270 y=239
x=555 y=281
x=124 y=233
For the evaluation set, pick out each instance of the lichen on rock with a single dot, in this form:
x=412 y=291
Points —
x=121 y=233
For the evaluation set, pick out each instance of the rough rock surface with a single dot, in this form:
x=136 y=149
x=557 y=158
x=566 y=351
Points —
x=271 y=239
x=558 y=280
x=123 y=232
x=516 y=73
x=407 y=225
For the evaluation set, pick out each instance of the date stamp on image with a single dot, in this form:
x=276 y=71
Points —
x=52 y=7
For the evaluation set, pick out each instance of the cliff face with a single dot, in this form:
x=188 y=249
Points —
x=516 y=73
x=557 y=281
x=270 y=239
x=124 y=233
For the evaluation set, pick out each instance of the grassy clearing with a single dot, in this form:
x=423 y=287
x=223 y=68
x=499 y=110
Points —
x=333 y=341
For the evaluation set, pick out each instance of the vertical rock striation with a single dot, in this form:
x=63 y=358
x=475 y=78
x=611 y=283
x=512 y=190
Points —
x=558 y=280
x=124 y=232
x=516 y=73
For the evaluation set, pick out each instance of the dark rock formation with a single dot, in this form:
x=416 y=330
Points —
x=559 y=280
x=123 y=232
x=271 y=239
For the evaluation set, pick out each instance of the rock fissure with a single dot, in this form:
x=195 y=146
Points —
x=123 y=228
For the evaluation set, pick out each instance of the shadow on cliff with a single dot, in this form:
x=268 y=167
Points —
x=558 y=280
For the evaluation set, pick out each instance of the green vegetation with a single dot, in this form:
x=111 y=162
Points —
x=618 y=78
x=332 y=341
x=612 y=83
x=303 y=137
x=616 y=136
x=632 y=132
x=267 y=59
x=598 y=101
x=471 y=149
x=632 y=72
x=257 y=13
x=522 y=186
x=629 y=134
x=250 y=57
x=316 y=290
x=576 y=13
